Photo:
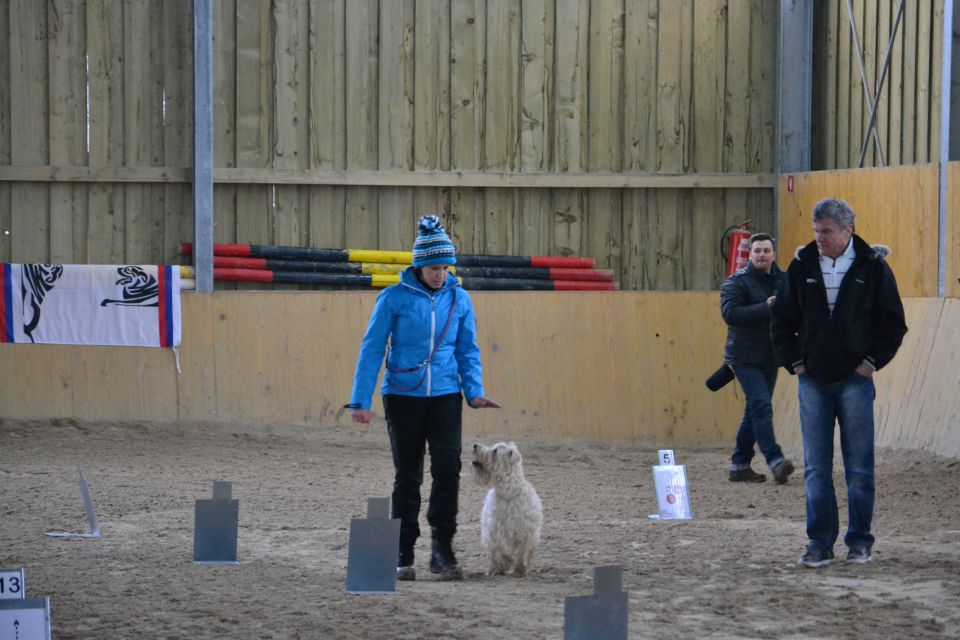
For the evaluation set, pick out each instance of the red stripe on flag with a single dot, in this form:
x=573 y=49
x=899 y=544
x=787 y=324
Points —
x=162 y=310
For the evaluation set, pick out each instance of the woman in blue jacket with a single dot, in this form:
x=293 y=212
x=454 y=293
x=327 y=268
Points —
x=433 y=357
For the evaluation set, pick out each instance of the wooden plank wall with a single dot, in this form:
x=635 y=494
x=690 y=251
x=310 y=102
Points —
x=545 y=86
x=895 y=206
x=908 y=112
x=616 y=367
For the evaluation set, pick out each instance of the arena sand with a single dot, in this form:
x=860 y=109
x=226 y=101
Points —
x=729 y=573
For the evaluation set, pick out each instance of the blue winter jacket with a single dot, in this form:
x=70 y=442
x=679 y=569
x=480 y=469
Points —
x=413 y=318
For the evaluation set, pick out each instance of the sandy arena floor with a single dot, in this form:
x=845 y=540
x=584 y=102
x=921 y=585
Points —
x=730 y=573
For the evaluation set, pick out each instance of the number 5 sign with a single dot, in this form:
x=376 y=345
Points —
x=12 y=585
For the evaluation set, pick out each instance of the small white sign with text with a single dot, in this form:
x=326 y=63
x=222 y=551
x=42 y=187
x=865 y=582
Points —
x=12 y=585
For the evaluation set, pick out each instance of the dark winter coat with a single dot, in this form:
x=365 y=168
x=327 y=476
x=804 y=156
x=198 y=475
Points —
x=867 y=323
x=743 y=303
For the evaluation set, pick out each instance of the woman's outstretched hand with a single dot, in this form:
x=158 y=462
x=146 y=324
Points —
x=363 y=416
x=482 y=403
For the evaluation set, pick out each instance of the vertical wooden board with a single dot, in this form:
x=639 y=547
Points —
x=142 y=122
x=936 y=71
x=831 y=60
x=362 y=227
x=224 y=118
x=254 y=84
x=641 y=25
x=605 y=116
x=67 y=93
x=536 y=85
x=175 y=219
x=291 y=119
x=467 y=83
x=764 y=26
x=500 y=142
x=465 y=219
x=431 y=91
x=499 y=222
x=104 y=237
x=604 y=241
x=897 y=93
x=535 y=222
x=667 y=238
x=868 y=36
x=635 y=255
x=362 y=135
x=925 y=62
x=569 y=212
x=883 y=104
x=708 y=223
x=396 y=86
x=857 y=97
x=738 y=87
x=397 y=226
x=328 y=85
x=5 y=108
x=570 y=84
x=847 y=75
x=398 y=39
x=327 y=206
x=327 y=120
x=29 y=131
x=911 y=17
x=709 y=84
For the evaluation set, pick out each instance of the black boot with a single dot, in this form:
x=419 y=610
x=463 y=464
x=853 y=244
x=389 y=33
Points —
x=443 y=562
x=405 y=570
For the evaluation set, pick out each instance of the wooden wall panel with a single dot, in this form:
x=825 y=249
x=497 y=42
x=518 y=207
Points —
x=29 y=129
x=535 y=87
x=5 y=89
x=618 y=367
x=896 y=206
x=908 y=111
x=68 y=131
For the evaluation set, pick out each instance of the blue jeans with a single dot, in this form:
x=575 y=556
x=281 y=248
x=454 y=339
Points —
x=850 y=402
x=757 y=425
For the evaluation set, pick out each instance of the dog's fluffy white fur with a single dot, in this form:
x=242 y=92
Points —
x=512 y=516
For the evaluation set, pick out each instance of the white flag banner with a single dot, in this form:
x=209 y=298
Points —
x=111 y=305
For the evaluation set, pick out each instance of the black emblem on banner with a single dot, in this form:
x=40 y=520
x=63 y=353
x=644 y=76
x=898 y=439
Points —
x=140 y=289
x=36 y=281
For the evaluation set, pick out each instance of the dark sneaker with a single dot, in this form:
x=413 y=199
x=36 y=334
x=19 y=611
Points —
x=782 y=470
x=747 y=475
x=858 y=555
x=815 y=557
x=406 y=573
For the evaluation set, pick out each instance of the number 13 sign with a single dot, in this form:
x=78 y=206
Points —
x=12 y=586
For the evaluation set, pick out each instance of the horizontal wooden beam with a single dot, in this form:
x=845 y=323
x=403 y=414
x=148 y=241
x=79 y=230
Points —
x=464 y=179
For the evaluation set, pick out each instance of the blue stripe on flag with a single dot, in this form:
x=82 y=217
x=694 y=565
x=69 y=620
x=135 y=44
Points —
x=168 y=306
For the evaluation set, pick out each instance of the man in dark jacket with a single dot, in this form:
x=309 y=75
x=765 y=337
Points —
x=839 y=319
x=745 y=301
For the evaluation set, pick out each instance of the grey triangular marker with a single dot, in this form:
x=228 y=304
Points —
x=602 y=615
x=88 y=507
x=372 y=550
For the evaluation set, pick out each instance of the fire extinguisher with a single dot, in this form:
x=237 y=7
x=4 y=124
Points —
x=739 y=247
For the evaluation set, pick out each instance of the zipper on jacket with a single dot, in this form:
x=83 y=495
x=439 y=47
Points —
x=433 y=329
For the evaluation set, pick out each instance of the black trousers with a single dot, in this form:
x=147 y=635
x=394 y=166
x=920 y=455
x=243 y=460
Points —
x=413 y=424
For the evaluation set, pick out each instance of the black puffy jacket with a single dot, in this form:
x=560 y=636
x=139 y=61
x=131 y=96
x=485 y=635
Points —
x=867 y=322
x=743 y=303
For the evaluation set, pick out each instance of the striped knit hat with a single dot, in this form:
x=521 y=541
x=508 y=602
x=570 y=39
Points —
x=432 y=245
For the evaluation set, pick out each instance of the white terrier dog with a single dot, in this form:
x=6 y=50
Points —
x=512 y=513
